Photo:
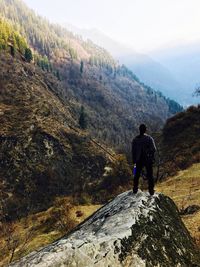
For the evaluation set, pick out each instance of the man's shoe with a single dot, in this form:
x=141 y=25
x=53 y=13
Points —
x=135 y=190
x=151 y=192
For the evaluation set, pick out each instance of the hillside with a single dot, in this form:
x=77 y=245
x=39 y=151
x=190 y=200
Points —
x=42 y=228
x=43 y=152
x=114 y=99
x=180 y=144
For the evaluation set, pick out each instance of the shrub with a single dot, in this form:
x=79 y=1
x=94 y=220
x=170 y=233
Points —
x=119 y=176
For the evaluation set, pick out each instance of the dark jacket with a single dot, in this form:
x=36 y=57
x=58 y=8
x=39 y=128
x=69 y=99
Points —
x=143 y=148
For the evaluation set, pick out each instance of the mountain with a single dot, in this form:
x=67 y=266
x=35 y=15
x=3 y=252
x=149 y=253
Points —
x=183 y=61
x=131 y=230
x=114 y=99
x=147 y=69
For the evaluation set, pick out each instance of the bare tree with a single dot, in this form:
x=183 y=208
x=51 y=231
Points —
x=14 y=241
x=197 y=91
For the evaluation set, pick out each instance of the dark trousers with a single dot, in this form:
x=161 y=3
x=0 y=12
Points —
x=149 y=169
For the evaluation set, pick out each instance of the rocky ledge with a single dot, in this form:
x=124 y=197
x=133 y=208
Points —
x=131 y=230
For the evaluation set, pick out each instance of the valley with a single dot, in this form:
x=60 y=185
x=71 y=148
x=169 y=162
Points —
x=68 y=113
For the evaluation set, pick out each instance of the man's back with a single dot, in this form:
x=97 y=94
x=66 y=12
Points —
x=142 y=145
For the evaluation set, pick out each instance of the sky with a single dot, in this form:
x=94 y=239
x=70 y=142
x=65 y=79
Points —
x=144 y=25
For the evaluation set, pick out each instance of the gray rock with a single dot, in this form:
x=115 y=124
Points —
x=190 y=210
x=131 y=230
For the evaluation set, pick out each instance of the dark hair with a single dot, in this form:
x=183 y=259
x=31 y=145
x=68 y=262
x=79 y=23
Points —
x=142 y=128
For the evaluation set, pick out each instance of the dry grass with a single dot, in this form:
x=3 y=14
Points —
x=44 y=227
x=184 y=189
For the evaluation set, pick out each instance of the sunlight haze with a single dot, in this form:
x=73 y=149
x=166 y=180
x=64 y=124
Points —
x=142 y=24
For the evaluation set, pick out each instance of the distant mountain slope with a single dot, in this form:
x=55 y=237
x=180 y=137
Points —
x=183 y=61
x=114 y=99
x=154 y=74
x=149 y=71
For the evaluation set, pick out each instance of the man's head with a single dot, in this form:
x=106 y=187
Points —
x=142 y=129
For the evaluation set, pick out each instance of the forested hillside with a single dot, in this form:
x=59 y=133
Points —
x=114 y=100
x=42 y=152
x=50 y=41
x=10 y=37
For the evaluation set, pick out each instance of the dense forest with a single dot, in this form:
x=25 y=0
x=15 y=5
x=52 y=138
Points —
x=50 y=41
x=11 y=40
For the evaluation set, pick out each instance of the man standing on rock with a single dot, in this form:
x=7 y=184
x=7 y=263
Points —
x=143 y=149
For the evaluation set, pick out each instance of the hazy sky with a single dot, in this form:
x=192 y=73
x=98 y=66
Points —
x=143 y=24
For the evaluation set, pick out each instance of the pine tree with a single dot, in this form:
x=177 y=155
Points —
x=28 y=55
x=58 y=75
x=12 y=51
x=82 y=119
x=81 y=67
x=73 y=53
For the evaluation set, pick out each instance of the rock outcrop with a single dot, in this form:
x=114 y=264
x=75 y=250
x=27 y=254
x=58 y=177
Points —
x=131 y=230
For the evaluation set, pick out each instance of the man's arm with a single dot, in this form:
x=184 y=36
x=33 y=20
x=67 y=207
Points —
x=133 y=151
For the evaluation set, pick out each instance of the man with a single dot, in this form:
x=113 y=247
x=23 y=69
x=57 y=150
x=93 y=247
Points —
x=143 y=149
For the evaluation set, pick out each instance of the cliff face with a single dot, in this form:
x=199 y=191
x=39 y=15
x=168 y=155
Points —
x=132 y=230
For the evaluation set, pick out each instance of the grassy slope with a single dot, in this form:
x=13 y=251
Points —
x=180 y=140
x=43 y=228
x=184 y=189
